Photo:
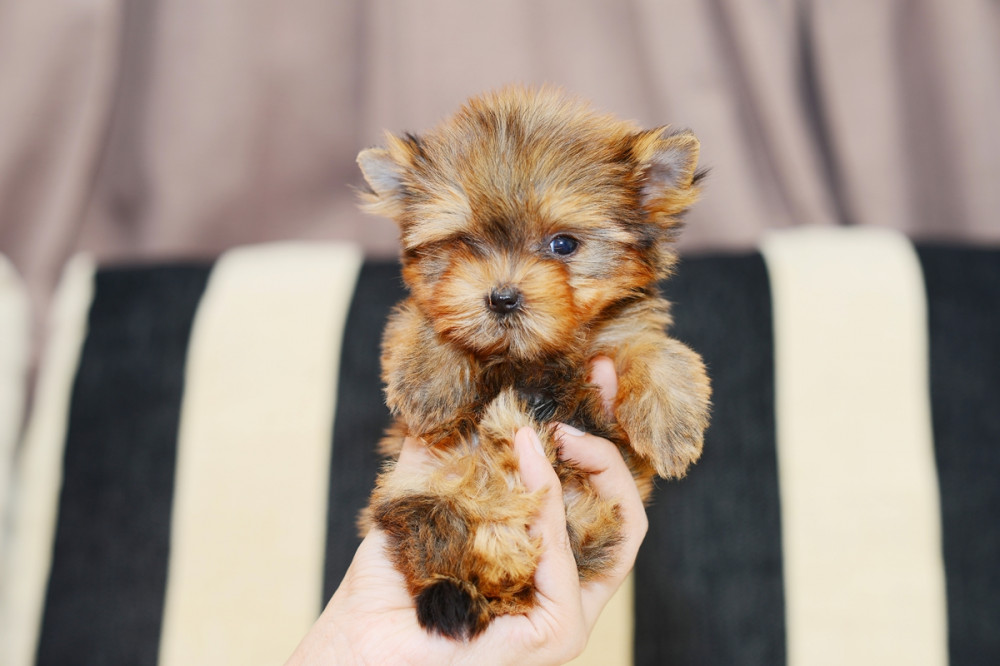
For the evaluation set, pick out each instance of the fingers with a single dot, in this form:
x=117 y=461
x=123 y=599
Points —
x=609 y=474
x=612 y=479
x=556 y=577
x=602 y=373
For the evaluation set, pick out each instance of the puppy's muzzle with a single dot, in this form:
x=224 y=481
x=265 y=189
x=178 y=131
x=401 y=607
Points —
x=504 y=300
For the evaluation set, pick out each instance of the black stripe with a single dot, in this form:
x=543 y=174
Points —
x=709 y=586
x=963 y=299
x=106 y=589
x=361 y=414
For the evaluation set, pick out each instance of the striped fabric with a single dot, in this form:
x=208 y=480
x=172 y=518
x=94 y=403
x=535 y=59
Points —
x=202 y=438
x=30 y=525
x=860 y=519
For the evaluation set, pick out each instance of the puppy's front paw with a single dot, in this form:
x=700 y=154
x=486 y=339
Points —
x=663 y=406
x=426 y=383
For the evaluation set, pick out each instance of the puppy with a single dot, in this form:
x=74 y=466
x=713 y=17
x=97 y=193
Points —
x=534 y=232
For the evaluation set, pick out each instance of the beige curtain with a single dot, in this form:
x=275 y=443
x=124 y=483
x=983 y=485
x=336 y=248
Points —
x=174 y=128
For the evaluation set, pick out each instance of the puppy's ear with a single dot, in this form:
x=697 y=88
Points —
x=668 y=162
x=385 y=170
x=384 y=176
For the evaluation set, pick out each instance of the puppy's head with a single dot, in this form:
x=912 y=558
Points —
x=526 y=216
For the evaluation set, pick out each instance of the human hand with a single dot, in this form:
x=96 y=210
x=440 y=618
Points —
x=371 y=618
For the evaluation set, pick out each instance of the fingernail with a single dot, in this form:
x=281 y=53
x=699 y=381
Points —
x=570 y=430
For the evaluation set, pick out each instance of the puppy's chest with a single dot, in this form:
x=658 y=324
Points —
x=552 y=391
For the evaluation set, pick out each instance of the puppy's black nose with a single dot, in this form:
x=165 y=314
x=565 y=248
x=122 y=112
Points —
x=504 y=300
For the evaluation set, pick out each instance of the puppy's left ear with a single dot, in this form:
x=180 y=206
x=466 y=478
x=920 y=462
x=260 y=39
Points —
x=668 y=161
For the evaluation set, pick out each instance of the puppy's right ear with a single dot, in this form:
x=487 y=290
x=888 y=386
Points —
x=384 y=176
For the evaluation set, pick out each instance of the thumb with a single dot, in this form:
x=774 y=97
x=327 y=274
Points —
x=556 y=578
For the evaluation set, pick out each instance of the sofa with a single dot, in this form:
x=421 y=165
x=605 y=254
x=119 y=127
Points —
x=199 y=438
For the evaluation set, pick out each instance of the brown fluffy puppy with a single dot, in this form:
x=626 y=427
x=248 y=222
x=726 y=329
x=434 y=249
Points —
x=533 y=234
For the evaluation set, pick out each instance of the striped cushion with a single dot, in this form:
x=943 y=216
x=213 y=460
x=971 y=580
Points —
x=202 y=439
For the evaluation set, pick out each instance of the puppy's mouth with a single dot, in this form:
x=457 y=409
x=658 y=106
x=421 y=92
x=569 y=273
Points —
x=504 y=325
x=507 y=318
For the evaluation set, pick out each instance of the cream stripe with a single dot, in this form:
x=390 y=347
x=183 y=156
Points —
x=610 y=642
x=864 y=577
x=249 y=525
x=38 y=470
x=15 y=323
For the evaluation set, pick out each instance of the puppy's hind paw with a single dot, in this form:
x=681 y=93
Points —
x=453 y=608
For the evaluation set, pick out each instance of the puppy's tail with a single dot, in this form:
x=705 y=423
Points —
x=453 y=608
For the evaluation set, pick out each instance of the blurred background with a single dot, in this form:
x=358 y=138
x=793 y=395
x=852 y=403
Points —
x=162 y=129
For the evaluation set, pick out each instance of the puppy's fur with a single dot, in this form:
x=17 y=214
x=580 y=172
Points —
x=533 y=233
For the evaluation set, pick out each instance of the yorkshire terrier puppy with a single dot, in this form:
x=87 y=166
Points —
x=534 y=232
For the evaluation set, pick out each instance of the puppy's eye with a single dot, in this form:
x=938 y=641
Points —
x=563 y=245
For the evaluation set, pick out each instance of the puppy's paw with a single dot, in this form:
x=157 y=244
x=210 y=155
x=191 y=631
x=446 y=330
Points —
x=663 y=406
x=418 y=390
